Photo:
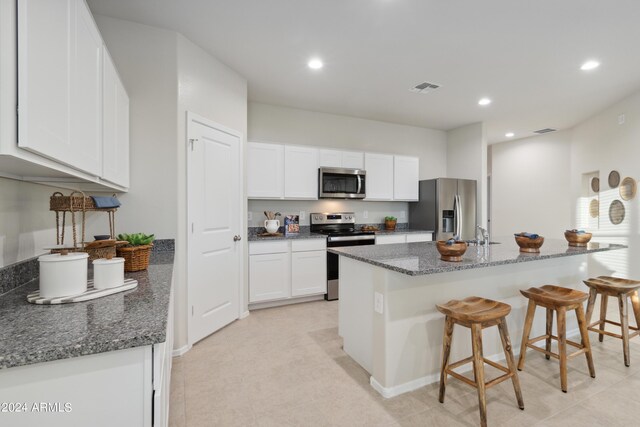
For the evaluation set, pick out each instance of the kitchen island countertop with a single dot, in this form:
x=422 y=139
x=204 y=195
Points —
x=41 y=333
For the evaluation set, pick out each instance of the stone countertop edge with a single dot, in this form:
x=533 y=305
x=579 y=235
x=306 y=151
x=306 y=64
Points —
x=305 y=233
x=429 y=262
x=42 y=333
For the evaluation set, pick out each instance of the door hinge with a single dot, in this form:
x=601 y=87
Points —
x=191 y=142
x=192 y=227
x=191 y=310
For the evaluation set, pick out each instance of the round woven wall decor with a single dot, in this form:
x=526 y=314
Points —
x=616 y=212
x=628 y=188
x=595 y=184
x=614 y=179
x=594 y=208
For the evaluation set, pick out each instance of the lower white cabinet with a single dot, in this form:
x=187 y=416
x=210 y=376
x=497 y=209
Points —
x=280 y=270
x=403 y=238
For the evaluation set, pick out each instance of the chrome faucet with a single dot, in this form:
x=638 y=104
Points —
x=482 y=235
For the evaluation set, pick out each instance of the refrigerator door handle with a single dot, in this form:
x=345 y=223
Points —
x=458 y=216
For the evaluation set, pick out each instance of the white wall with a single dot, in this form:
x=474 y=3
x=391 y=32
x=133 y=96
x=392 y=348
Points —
x=466 y=158
x=269 y=123
x=146 y=58
x=212 y=90
x=531 y=185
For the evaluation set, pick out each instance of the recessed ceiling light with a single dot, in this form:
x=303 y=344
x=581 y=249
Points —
x=509 y=134
x=315 y=64
x=484 y=101
x=590 y=65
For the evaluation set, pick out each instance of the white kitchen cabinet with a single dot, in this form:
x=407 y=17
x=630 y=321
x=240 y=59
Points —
x=115 y=129
x=60 y=84
x=286 y=269
x=390 y=239
x=379 y=181
x=419 y=237
x=269 y=277
x=341 y=159
x=308 y=273
x=300 y=172
x=405 y=178
x=265 y=171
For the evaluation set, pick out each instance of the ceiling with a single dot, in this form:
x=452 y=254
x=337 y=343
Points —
x=525 y=55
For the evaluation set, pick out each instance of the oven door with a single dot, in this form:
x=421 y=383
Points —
x=332 y=266
x=339 y=183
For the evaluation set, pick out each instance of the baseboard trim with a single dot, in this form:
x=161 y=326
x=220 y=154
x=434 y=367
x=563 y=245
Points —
x=279 y=303
x=244 y=314
x=181 y=351
x=389 y=392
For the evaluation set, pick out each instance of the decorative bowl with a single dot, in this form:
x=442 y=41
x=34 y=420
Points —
x=576 y=239
x=453 y=252
x=529 y=245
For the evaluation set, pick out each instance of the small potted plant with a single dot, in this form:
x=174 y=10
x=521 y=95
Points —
x=390 y=222
x=137 y=250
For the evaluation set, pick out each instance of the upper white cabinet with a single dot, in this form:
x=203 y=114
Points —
x=405 y=178
x=265 y=171
x=60 y=84
x=54 y=68
x=300 y=172
x=115 y=129
x=341 y=159
x=379 y=169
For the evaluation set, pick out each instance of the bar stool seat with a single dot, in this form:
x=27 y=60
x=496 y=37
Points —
x=477 y=313
x=558 y=299
x=622 y=289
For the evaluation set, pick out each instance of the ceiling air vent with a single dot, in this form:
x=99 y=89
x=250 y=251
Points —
x=425 y=87
x=541 y=131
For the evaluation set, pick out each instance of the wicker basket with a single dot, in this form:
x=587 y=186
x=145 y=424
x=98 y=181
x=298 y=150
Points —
x=136 y=258
x=77 y=201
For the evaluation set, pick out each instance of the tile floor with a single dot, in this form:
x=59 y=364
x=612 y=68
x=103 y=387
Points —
x=285 y=367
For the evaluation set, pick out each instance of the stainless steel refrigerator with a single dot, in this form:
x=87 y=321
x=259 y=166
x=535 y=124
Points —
x=447 y=206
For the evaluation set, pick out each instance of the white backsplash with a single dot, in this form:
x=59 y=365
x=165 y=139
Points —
x=376 y=211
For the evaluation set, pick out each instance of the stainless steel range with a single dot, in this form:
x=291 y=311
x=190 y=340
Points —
x=340 y=230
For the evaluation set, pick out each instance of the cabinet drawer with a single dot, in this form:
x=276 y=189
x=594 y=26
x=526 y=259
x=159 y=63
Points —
x=308 y=245
x=419 y=237
x=394 y=238
x=258 y=248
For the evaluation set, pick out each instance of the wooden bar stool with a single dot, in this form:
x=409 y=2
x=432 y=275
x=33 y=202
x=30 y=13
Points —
x=477 y=313
x=621 y=289
x=558 y=299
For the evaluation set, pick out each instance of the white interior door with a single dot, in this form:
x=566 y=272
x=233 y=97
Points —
x=215 y=217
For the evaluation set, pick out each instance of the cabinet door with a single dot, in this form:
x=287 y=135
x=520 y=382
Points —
x=115 y=126
x=352 y=160
x=60 y=84
x=308 y=273
x=405 y=178
x=300 y=173
x=419 y=237
x=330 y=159
x=379 y=181
x=269 y=277
x=265 y=171
x=389 y=239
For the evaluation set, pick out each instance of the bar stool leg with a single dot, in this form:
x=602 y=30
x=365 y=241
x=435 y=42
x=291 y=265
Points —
x=478 y=370
x=603 y=314
x=591 y=304
x=562 y=346
x=508 y=352
x=624 y=322
x=446 y=351
x=549 y=329
x=582 y=324
x=635 y=303
x=528 y=321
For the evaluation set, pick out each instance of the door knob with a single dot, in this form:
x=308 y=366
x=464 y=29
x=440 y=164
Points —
x=236 y=238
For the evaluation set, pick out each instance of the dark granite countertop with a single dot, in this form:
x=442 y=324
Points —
x=40 y=333
x=384 y=232
x=415 y=259
x=305 y=233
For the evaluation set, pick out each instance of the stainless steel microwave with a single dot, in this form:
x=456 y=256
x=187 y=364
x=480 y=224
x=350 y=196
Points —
x=341 y=183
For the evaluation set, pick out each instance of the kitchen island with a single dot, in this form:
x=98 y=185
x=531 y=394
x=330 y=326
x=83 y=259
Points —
x=388 y=294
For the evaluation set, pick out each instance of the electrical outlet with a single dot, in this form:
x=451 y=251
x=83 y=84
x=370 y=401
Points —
x=402 y=215
x=302 y=215
x=621 y=119
x=378 y=305
x=365 y=214
x=250 y=216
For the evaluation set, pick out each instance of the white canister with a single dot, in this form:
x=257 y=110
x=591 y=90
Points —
x=63 y=275
x=108 y=273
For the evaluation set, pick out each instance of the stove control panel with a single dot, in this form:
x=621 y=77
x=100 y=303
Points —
x=333 y=218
